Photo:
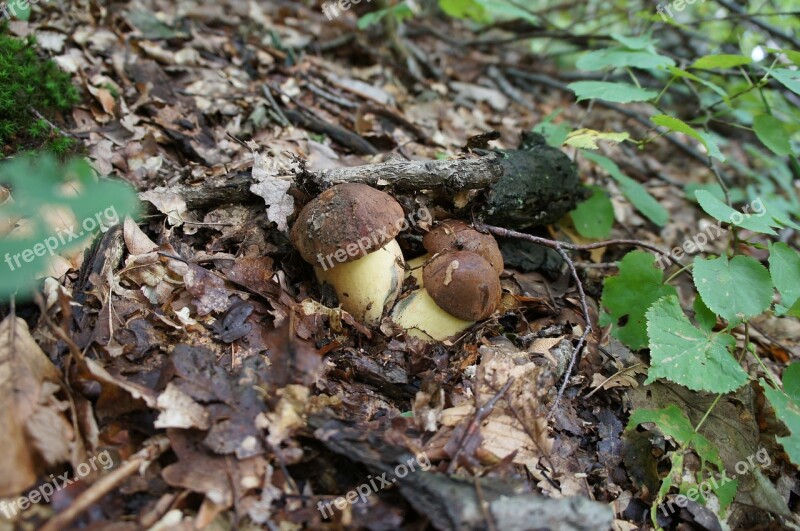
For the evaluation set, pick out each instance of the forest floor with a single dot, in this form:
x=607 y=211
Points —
x=195 y=349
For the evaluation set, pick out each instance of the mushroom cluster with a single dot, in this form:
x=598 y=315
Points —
x=459 y=285
x=347 y=233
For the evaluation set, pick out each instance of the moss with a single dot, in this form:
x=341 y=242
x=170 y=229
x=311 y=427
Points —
x=27 y=81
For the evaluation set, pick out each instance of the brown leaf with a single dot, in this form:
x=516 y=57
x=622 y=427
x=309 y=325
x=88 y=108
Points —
x=33 y=428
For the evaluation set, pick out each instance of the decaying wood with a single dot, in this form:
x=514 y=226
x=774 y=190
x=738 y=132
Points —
x=453 y=503
x=450 y=175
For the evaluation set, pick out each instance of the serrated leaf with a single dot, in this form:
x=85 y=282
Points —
x=594 y=217
x=682 y=127
x=688 y=356
x=735 y=289
x=605 y=90
x=772 y=133
x=789 y=78
x=786 y=403
x=635 y=192
x=721 y=61
x=784 y=267
x=628 y=295
x=673 y=422
x=588 y=138
x=713 y=206
x=621 y=57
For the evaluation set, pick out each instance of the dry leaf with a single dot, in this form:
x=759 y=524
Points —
x=33 y=428
x=272 y=188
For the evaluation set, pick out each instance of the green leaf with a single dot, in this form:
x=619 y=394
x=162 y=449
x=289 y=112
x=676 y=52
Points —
x=704 y=317
x=789 y=78
x=735 y=289
x=757 y=222
x=709 y=62
x=621 y=57
x=506 y=10
x=673 y=423
x=787 y=408
x=588 y=138
x=635 y=192
x=554 y=134
x=640 y=42
x=616 y=92
x=688 y=356
x=682 y=127
x=681 y=73
x=628 y=295
x=465 y=9
x=784 y=267
x=38 y=185
x=594 y=217
x=793 y=55
x=400 y=12
x=23 y=10
x=772 y=133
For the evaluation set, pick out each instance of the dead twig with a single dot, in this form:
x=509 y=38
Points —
x=481 y=414
x=152 y=450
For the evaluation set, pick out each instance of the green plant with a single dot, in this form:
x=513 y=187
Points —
x=40 y=186
x=31 y=85
x=745 y=88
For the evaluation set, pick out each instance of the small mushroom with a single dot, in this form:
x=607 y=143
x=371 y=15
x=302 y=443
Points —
x=347 y=233
x=460 y=288
x=455 y=235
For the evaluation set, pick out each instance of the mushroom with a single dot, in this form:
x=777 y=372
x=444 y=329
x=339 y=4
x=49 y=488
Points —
x=456 y=235
x=460 y=288
x=347 y=233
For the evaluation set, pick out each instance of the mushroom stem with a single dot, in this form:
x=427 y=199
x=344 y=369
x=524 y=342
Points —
x=421 y=317
x=414 y=268
x=365 y=287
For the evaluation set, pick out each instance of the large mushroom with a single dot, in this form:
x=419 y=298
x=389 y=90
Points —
x=347 y=233
x=460 y=288
x=456 y=235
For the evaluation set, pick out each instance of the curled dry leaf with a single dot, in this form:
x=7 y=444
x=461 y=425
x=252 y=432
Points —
x=34 y=430
x=274 y=189
x=168 y=203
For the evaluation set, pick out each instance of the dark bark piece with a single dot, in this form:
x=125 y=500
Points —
x=451 y=503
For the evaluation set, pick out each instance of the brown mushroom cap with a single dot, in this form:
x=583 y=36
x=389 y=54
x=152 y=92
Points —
x=463 y=284
x=351 y=219
x=457 y=235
